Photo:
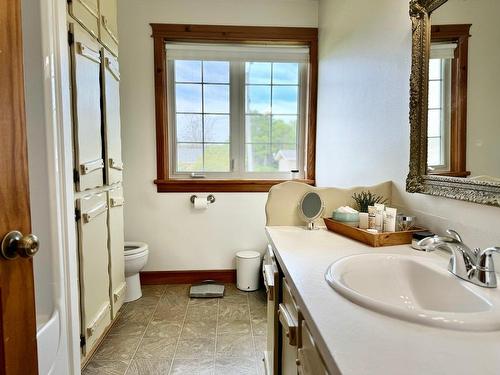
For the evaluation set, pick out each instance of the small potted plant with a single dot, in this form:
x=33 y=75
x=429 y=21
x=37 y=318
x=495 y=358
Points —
x=365 y=199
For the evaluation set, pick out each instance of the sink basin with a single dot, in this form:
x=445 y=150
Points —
x=415 y=289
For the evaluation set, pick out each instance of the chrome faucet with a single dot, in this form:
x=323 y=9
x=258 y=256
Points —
x=475 y=266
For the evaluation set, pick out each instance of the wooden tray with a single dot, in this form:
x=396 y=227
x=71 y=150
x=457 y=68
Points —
x=372 y=239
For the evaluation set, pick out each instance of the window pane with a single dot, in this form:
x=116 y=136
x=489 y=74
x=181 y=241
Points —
x=216 y=98
x=217 y=157
x=435 y=94
x=216 y=71
x=286 y=156
x=187 y=98
x=434 y=69
x=258 y=99
x=284 y=129
x=189 y=157
x=259 y=158
x=257 y=129
x=286 y=73
x=188 y=128
x=187 y=71
x=216 y=128
x=434 y=151
x=434 y=123
x=285 y=99
x=258 y=72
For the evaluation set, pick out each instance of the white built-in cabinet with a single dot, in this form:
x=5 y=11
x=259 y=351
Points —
x=98 y=166
x=95 y=304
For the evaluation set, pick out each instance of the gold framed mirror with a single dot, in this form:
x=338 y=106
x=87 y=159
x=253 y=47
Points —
x=464 y=163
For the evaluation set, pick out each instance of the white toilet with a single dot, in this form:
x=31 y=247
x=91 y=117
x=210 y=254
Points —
x=136 y=257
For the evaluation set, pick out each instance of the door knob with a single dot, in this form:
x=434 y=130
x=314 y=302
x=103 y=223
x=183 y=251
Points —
x=15 y=244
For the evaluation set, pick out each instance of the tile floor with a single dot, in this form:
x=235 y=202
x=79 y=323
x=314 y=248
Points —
x=166 y=332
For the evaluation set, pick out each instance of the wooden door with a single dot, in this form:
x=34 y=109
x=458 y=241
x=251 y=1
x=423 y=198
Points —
x=18 y=352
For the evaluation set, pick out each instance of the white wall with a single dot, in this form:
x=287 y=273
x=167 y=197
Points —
x=179 y=237
x=483 y=96
x=363 y=128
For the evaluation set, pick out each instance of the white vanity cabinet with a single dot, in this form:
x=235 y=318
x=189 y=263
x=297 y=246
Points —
x=93 y=257
x=116 y=244
x=111 y=117
x=86 y=97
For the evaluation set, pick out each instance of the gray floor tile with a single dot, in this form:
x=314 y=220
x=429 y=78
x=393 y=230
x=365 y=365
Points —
x=235 y=346
x=163 y=328
x=260 y=342
x=202 y=312
x=117 y=348
x=195 y=348
x=199 y=366
x=235 y=366
x=153 y=290
x=156 y=347
x=235 y=327
x=199 y=328
x=149 y=367
x=96 y=367
x=233 y=311
x=259 y=326
x=170 y=313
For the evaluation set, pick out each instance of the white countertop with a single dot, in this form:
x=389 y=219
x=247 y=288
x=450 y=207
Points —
x=360 y=341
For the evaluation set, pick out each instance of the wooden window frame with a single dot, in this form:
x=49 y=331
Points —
x=459 y=71
x=161 y=33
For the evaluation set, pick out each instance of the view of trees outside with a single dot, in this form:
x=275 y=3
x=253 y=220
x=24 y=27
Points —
x=203 y=122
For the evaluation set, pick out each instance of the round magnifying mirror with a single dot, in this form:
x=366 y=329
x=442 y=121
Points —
x=311 y=207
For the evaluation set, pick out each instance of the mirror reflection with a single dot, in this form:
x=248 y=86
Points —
x=464 y=91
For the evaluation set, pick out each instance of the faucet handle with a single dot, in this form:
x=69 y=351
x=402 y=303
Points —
x=453 y=233
x=485 y=259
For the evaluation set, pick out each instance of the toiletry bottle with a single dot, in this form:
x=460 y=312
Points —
x=390 y=219
x=371 y=217
x=379 y=217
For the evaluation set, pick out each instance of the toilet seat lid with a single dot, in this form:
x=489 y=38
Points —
x=131 y=248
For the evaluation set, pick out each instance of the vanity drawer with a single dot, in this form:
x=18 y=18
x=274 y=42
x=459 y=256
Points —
x=309 y=361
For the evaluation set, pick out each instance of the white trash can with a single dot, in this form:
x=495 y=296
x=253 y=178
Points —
x=247 y=270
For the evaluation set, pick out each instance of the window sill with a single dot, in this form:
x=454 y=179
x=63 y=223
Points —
x=207 y=186
x=450 y=174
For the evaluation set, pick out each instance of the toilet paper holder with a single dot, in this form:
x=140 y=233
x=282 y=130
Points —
x=210 y=198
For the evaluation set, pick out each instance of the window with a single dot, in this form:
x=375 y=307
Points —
x=238 y=115
x=439 y=115
x=447 y=101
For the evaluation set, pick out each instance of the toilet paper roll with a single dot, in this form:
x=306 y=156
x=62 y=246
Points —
x=200 y=203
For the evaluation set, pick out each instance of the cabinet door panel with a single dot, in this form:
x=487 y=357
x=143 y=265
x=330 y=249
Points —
x=86 y=12
x=93 y=263
x=86 y=95
x=309 y=360
x=116 y=243
x=108 y=25
x=111 y=108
